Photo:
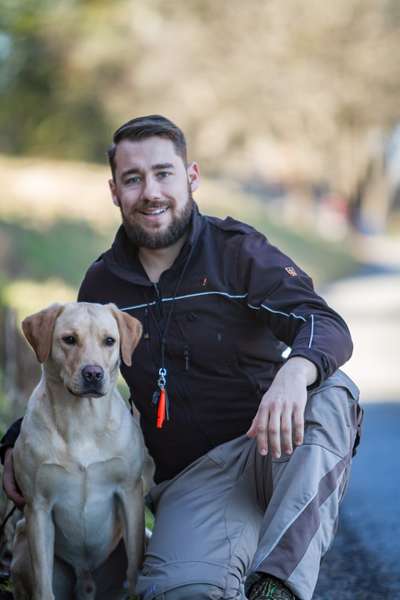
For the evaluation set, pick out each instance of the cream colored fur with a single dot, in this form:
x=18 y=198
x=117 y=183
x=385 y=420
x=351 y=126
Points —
x=78 y=460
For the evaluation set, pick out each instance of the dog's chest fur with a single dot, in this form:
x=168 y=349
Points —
x=79 y=481
x=84 y=508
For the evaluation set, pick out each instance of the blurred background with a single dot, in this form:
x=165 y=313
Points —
x=292 y=109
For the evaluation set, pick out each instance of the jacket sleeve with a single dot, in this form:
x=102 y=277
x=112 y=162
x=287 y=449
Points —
x=284 y=297
x=9 y=438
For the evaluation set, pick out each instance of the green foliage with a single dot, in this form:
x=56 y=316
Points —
x=234 y=75
x=6 y=589
x=63 y=251
x=149 y=519
x=42 y=110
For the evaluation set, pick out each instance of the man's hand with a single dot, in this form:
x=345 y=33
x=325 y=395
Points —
x=280 y=417
x=10 y=485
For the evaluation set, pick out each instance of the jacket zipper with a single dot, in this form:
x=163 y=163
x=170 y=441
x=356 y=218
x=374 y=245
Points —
x=186 y=356
x=159 y=302
x=146 y=332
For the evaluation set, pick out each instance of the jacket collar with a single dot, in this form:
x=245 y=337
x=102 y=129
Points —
x=122 y=258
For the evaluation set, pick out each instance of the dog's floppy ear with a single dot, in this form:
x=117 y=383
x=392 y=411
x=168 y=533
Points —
x=38 y=330
x=130 y=332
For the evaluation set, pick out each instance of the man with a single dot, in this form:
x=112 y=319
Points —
x=252 y=452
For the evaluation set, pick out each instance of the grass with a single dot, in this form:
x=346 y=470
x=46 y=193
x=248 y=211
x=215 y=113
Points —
x=46 y=263
x=63 y=250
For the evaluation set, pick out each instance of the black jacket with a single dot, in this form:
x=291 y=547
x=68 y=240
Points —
x=238 y=296
x=236 y=302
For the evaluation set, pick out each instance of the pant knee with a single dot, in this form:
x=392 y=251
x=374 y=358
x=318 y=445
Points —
x=195 y=591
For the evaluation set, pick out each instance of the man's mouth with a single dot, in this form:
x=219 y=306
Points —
x=154 y=212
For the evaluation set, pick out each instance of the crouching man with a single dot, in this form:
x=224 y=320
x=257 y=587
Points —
x=252 y=451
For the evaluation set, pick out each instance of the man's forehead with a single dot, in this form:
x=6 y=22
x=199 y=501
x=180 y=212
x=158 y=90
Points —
x=147 y=153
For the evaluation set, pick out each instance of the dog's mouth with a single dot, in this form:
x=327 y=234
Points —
x=89 y=393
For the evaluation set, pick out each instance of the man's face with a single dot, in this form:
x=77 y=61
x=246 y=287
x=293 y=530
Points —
x=153 y=189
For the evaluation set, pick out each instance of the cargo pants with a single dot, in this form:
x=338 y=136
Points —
x=234 y=512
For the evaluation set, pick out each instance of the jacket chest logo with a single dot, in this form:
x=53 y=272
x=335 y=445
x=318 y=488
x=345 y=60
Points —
x=291 y=271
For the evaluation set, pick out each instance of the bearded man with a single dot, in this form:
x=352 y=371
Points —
x=252 y=450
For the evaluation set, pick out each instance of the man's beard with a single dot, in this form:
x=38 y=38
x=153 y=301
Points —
x=142 y=238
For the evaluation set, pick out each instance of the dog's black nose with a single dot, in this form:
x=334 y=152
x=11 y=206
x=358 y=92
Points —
x=92 y=374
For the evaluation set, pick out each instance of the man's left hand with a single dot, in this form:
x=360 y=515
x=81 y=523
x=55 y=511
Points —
x=279 y=420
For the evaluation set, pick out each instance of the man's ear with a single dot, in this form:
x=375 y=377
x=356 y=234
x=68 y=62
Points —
x=113 y=190
x=130 y=332
x=193 y=173
x=38 y=330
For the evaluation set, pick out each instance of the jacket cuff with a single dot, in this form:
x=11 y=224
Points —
x=320 y=361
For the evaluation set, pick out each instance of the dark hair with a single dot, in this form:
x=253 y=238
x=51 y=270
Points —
x=145 y=127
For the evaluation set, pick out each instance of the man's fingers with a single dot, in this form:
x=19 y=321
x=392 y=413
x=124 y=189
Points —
x=14 y=495
x=260 y=425
x=274 y=433
x=9 y=482
x=278 y=426
x=298 y=424
x=252 y=431
x=286 y=432
x=12 y=491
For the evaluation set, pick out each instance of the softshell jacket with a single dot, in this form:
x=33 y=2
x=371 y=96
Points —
x=236 y=303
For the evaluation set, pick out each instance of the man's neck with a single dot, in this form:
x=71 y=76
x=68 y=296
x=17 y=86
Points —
x=155 y=262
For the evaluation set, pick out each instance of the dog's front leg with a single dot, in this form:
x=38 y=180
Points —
x=132 y=509
x=40 y=534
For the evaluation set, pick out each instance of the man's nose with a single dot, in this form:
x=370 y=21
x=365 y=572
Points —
x=151 y=189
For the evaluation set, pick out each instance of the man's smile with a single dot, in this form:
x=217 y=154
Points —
x=153 y=215
x=154 y=211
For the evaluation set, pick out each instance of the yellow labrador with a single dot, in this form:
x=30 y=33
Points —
x=78 y=460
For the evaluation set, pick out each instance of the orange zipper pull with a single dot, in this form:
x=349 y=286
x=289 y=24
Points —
x=161 y=409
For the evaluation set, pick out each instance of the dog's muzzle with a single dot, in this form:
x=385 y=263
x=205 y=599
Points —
x=93 y=379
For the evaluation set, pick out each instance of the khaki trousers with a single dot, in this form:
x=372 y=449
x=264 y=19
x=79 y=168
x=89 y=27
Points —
x=233 y=512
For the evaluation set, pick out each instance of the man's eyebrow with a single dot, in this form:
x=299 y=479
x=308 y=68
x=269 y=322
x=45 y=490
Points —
x=130 y=171
x=160 y=166
x=157 y=167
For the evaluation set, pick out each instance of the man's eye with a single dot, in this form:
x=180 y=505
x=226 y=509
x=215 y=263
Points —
x=163 y=174
x=69 y=339
x=133 y=180
x=109 y=341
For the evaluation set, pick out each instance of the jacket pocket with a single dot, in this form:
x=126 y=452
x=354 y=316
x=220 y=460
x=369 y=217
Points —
x=203 y=342
x=330 y=417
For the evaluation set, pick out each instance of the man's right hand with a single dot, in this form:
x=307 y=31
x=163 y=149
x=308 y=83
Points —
x=10 y=485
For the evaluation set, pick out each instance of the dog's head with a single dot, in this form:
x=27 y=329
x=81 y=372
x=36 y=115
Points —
x=81 y=344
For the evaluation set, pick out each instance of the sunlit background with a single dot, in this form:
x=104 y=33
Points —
x=292 y=109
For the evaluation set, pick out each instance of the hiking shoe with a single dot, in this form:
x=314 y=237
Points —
x=267 y=587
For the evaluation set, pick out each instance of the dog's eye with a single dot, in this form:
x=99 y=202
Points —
x=69 y=339
x=109 y=341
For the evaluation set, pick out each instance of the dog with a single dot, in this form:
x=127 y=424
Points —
x=78 y=460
